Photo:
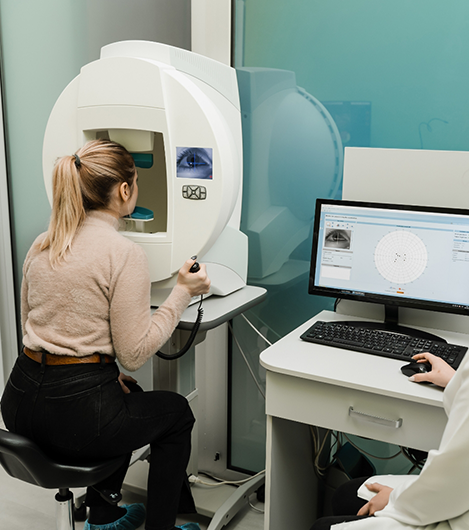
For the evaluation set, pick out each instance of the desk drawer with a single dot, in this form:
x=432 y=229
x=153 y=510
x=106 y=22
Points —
x=404 y=422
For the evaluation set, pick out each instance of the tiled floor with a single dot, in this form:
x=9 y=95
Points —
x=24 y=506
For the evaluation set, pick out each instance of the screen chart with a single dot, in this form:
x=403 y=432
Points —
x=407 y=253
x=401 y=257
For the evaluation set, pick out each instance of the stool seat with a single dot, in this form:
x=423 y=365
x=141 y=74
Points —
x=23 y=460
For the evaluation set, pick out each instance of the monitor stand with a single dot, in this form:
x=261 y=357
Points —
x=391 y=324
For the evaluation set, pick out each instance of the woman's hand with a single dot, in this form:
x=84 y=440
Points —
x=123 y=377
x=195 y=283
x=378 y=502
x=440 y=374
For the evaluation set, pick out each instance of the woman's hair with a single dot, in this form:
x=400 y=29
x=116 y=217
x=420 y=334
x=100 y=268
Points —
x=80 y=183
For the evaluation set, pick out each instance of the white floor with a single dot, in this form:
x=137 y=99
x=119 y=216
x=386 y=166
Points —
x=24 y=506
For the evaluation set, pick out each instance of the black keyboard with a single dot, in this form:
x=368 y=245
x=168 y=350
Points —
x=378 y=342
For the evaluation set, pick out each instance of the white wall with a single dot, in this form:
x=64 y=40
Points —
x=211 y=29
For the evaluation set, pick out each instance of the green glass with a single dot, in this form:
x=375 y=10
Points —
x=379 y=74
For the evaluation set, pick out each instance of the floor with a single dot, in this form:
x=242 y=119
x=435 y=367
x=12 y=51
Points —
x=23 y=506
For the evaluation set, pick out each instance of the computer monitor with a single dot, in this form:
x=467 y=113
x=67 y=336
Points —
x=391 y=254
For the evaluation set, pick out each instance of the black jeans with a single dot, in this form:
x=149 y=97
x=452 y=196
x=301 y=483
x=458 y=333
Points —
x=80 y=412
x=345 y=505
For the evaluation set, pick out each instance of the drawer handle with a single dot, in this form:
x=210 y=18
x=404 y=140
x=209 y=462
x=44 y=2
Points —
x=374 y=419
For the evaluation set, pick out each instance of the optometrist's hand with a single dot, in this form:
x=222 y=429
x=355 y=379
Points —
x=440 y=374
x=195 y=283
x=378 y=502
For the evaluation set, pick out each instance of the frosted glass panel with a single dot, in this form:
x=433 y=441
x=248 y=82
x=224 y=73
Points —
x=315 y=77
x=44 y=45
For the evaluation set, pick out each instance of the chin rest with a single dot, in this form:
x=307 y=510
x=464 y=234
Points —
x=22 y=459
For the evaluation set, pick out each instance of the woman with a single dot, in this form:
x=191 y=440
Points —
x=436 y=499
x=85 y=302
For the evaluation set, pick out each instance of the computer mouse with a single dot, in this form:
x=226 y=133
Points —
x=416 y=368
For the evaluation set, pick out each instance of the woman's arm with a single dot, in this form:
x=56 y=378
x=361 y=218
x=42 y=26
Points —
x=136 y=333
x=24 y=305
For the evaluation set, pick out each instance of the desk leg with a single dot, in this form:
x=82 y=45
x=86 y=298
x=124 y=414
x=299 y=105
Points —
x=291 y=485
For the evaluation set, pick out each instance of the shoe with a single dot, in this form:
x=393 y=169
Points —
x=133 y=519
x=189 y=526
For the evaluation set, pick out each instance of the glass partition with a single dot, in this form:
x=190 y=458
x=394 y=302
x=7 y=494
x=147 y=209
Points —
x=315 y=77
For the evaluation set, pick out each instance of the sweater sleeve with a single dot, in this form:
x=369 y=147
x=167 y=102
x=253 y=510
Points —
x=438 y=494
x=137 y=334
x=25 y=308
x=24 y=305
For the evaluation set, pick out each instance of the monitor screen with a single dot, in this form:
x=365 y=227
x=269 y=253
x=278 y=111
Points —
x=396 y=255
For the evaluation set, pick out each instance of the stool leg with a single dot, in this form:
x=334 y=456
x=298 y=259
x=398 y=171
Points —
x=64 y=510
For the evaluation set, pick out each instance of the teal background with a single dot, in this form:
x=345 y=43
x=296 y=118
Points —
x=409 y=58
x=409 y=61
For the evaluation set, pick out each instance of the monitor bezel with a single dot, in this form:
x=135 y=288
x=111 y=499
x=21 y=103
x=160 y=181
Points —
x=386 y=300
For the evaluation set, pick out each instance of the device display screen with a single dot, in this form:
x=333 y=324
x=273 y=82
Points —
x=409 y=255
x=194 y=162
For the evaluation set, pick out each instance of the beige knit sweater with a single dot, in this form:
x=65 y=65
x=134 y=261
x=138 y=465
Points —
x=98 y=300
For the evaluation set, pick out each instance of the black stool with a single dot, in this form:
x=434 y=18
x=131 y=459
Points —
x=22 y=459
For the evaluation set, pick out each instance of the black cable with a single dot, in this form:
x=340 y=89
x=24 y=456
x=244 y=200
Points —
x=190 y=340
x=416 y=458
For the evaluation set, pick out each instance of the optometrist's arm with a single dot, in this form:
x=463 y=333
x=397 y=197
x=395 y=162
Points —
x=379 y=501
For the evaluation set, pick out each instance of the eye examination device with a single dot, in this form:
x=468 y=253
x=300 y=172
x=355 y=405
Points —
x=178 y=113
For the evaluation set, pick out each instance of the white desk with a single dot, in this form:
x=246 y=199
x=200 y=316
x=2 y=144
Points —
x=309 y=384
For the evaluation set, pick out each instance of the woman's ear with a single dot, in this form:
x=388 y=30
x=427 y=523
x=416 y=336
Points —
x=124 y=191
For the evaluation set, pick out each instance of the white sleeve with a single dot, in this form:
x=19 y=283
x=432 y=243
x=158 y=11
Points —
x=440 y=491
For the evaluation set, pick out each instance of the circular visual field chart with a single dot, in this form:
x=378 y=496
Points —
x=401 y=257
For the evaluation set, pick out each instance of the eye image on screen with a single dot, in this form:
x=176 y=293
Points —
x=337 y=238
x=194 y=162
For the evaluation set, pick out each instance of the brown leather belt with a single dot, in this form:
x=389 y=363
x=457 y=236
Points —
x=54 y=360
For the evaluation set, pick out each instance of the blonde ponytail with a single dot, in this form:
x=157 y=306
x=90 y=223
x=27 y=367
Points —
x=80 y=183
x=68 y=212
